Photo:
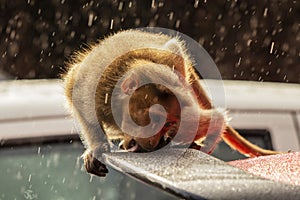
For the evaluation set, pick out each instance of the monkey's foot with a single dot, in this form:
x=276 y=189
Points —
x=195 y=146
x=94 y=166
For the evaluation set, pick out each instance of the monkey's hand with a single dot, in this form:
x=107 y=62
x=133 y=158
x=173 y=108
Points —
x=93 y=165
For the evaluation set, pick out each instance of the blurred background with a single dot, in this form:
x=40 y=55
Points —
x=248 y=40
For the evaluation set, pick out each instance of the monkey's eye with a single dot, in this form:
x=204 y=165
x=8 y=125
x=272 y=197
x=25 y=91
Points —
x=116 y=141
x=168 y=124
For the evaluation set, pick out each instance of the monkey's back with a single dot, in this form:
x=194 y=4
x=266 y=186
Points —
x=87 y=76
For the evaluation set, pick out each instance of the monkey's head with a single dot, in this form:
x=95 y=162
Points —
x=139 y=108
x=148 y=127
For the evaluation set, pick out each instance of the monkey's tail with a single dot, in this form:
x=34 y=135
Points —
x=239 y=143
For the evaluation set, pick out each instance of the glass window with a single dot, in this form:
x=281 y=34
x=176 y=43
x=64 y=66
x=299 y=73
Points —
x=55 y=171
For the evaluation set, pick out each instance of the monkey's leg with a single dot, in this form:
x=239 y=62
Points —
x=230 y=135
x=93 y=165
x=239 y=143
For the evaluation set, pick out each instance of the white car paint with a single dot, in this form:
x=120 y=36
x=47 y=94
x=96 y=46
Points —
x=33 y=108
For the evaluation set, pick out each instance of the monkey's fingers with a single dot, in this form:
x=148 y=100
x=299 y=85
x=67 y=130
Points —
x=237 y=142
x=94 y=166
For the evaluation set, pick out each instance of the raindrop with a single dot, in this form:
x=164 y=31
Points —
x=249 y=42
x=153 y=4
x=72 y=34
x=111 y=24
x=171 y=15
x=260 y=78
x=137 y=21
x=12 y=34
x=121 y=6
x=219 y=16
x=90 y=20
x=239 y=61
x=272 y=46
x=29 y=178
x=196 y=3
x=265 y=12
x=19 y=175
x=106 y=98
x=267 y=73
x=177 y=24
x=284 y=78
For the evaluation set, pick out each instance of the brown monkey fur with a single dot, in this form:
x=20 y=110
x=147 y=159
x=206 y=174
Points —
x=94 y=74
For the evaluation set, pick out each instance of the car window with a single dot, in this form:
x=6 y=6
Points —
x=55 y=171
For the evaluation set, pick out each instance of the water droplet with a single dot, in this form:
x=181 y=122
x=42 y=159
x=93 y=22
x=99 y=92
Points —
x=90 y=20
x=177 y=24
x=153 y=4
x=111 y=24
x=239 y=61
x=171 y=15
x=249 y=42
x=272 y=46
x=196 y=3
x=121 y=6
x=106 y=98
x=265 y=12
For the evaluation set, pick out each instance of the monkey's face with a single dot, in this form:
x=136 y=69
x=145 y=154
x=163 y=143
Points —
x=139 y=107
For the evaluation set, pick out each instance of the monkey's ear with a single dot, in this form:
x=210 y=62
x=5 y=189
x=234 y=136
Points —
x=130 y=84
x=175 y=47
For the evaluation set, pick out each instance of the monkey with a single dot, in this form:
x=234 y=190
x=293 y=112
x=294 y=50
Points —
x=146 y=79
